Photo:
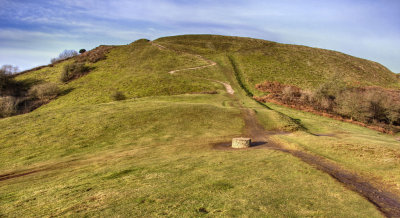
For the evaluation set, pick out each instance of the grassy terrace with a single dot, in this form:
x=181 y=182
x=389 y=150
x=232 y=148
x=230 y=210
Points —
x=154 y=157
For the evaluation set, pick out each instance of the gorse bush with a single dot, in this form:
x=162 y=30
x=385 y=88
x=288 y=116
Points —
x=72 y=71
x=45 y=91
x=118 y=96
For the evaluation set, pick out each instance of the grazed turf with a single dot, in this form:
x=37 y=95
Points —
x=152 y=155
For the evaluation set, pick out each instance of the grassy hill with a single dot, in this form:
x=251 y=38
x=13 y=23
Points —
x=305 y=67
x=154 y=153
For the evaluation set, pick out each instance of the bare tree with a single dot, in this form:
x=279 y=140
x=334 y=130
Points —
x=9 y=69
x=64 y=55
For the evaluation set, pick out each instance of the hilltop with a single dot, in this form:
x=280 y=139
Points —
x=144 y=132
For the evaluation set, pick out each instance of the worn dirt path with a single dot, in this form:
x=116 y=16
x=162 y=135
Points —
x=387 y=202
x=211 y=63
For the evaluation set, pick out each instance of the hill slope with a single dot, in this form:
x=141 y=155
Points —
x=155 y=153
x=306 y=67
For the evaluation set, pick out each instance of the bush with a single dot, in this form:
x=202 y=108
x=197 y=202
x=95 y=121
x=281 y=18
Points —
x=45 y=91
x=4 y=79
x=73 y=70
x=118 y=96
x=376 y=110
x=352 y=104
x=95 y=55
x=82 y=51
x=290 y=93
x=8 y=106
x=64 y=55
x=6 y=72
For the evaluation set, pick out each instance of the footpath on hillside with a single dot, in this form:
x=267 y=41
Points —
x=210 y=63
x=385 y=201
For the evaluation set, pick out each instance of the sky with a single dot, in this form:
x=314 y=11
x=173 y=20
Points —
x=34 y=31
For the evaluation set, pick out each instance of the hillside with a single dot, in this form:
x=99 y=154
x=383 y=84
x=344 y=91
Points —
x=306 y=67
x=162 y=151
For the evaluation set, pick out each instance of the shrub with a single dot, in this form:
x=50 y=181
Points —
x=4 y=78
x=45 y=91
x=82 y=51
x=8 y=106
x=364 y=104
x=73 y=70
x=118 y=96
x=352 y=104
x=64 y=55
x=306 y=97
x=290 y=93
x=376 y=109
x=95 y=55
x=9 y=86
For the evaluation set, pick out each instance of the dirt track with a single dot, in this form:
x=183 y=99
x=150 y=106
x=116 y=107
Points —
x=387 y=202
x=211 y=63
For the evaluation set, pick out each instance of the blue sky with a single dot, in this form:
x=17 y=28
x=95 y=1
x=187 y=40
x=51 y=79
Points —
x=32 y=32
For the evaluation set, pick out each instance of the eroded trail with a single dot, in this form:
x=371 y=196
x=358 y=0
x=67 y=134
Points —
x=387 y=202
x=211 y=63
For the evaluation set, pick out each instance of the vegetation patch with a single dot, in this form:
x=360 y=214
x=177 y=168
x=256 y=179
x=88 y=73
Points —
x=44 y=91
x=73 y=71
x=118 y=96
x=222 y=185
x=368 y=105
x=94 y=55
x=18 y=97
x=120 y=174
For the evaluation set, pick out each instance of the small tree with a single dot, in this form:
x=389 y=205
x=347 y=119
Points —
x=82 y=51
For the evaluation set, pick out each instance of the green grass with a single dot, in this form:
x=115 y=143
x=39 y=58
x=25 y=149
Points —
x=177 y=179
x=306 y=67
x=137 y=70
x=364 y=151
x=152 y=154
x=53 y=134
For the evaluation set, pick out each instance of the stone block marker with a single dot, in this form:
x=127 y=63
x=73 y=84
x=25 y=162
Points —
x=241 y=142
